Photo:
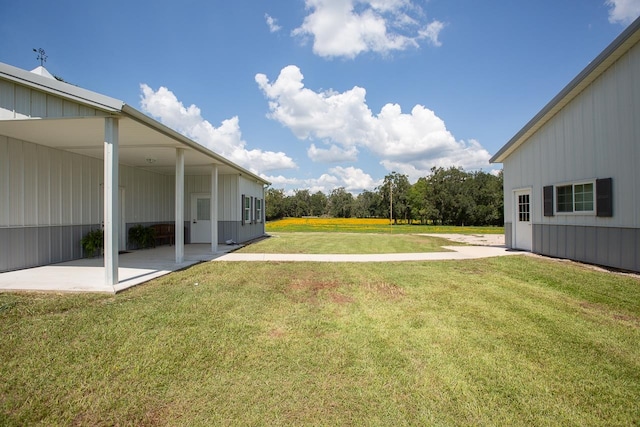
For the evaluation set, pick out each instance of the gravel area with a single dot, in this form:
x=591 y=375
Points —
x=474 y=239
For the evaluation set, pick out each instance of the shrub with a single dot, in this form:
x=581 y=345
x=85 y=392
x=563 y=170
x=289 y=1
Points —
x=93 y=243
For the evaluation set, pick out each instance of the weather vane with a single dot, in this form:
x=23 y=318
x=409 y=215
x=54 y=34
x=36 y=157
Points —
x=42 y=56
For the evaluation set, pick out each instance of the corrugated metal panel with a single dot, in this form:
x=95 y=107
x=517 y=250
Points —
x=595 y=136
x=55 y=186
x=70 y=109
x=4 y=181
x=54 y=107
x=66 y=191
x=149 y=196
x=7 y=105
x=16 y=183
x=38 y=104
x=44 y=182
x=22 y=101
x=30 y=177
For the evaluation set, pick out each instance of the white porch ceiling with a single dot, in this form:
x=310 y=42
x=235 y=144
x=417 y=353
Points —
x=137 y=143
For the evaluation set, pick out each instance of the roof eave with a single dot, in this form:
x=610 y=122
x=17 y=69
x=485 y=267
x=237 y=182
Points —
x=148 y=121
x=625 y=41
x=66 y=90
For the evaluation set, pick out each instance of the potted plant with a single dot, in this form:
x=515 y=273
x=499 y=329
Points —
x=141 y=236
x=92 y=243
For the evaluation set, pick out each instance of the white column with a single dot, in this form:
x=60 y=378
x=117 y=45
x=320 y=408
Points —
x=111 y=203
x=214 y=208
x=179 y=205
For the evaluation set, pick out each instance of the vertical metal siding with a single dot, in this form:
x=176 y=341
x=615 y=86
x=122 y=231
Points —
x=4 y=181
x=7 y=105
x=22 y=101
x=38 y=104
x=16 y=183
x=30 y=174
x=44 y=190
x=595 y=136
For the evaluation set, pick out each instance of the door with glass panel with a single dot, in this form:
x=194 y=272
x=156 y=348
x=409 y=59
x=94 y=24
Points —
x=522 y=230
x=200 y=218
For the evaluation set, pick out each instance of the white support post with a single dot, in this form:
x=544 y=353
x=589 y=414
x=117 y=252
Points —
x=214 y=208
x=179 y=226
x=111 y=203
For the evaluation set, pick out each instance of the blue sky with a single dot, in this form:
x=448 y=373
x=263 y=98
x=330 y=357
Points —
x=320 y=94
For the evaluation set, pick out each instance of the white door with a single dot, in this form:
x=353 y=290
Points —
x=200 y=218
x=522 y=230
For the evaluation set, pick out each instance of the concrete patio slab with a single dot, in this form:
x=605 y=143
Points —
x=87 y=275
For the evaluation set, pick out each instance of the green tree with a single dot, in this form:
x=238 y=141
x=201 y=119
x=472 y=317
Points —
x=274 y=204
x=421 y=202
x=302 y=203
x=340 y=203
x=395 y=188
x=368 y=205
x=318 y=203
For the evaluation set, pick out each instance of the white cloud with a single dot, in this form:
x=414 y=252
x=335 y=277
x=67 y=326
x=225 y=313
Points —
x=347 y=28
x=272 y=23
x=623 y=11
x=333 y=154
x=225 y=139
x=354 y=179
x=409 y=143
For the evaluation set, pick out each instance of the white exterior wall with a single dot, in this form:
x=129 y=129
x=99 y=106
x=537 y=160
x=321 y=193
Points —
x=597 y=135
x=41 y=186
x=228 y=203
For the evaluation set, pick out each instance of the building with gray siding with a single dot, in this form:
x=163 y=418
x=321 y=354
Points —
x=72 y=160
x=571 y=175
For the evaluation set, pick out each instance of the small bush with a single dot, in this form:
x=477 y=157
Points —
x=142 y=237
x=93 y=243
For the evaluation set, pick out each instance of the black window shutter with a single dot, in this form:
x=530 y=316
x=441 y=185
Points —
x=547 y=193
x=604 y=194
x=242 y=210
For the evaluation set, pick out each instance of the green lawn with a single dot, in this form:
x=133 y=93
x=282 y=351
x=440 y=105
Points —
x=347 y=243
x=502 y=341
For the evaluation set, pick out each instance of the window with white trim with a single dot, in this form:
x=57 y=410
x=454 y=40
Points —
x=258 y=210
x=247 y=209
x=575 y=198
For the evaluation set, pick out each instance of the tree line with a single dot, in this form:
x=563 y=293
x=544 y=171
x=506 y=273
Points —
x=447 y=196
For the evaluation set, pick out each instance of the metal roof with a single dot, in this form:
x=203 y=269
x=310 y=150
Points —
x=625 y=41
x=140 y=137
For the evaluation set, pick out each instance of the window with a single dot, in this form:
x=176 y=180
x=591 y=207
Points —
x=575 y=198
x=247 y=209
x=524 y=212
x=203 y=209
x=564 y=196
x=258 y=210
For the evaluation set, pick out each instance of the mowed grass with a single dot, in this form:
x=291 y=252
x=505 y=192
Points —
x=347 y=243
x=368 y=225
x=504 y=341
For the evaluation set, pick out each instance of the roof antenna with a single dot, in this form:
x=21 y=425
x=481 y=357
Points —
x=42 y=56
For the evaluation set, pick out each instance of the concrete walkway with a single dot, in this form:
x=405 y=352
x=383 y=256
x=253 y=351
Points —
x=457 y=252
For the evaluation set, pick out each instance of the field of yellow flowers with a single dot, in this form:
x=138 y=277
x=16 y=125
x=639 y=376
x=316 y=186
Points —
x=368 y=225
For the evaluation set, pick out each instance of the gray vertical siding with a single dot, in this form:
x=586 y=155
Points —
x=615 y=247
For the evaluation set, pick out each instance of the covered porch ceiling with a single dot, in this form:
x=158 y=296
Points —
x=140 y=145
